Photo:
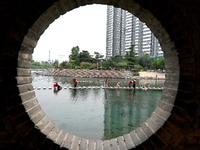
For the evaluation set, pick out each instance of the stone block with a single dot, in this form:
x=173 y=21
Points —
x=54 y=133
x=152 y=125
x=113 y=144
x=60 y=139
x=68 y=141
x=23 y=72
x=165 y=106
x=142 y=136
x=136 y=140
x=48 y=128
x=157 y=119
x=42 y=123
x=75 y=143
x=128 y=141
x=25 y=88
x=30 y=103
x=23 y=80
x=146 y=130
x=162 y=113
x=83 y=144
x=31 y=112
x=106 y=145
x=168 y=98
x=121 y=143
x=27 y=96
x=28 y=41
x=99 y=145
x=38 y=117
x=24 y=63
x=91 y=145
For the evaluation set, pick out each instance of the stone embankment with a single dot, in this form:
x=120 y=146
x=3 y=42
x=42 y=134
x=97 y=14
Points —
x=115 y=74
x=89 y=73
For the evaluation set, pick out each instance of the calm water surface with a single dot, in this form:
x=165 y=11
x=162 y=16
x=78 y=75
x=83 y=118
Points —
x=95 y=113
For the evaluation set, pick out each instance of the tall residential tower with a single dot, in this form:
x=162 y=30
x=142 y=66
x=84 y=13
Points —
x=124 y=29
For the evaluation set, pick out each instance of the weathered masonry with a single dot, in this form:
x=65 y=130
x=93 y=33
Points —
x=175 y=123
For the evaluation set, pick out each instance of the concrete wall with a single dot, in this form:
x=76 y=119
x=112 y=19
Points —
x=173 y=125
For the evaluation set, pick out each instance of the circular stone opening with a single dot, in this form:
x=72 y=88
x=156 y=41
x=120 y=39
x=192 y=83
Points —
x=136 y=137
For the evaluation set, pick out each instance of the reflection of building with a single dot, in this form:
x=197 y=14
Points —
x=118 y=120
x=124 y=29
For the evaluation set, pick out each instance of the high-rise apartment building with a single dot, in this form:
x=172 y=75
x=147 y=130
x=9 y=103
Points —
x=124 y=29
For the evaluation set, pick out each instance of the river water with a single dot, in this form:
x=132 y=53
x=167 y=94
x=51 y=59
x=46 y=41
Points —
x=96 y=114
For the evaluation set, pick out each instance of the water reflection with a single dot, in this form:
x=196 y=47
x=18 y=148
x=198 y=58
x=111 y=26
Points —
x=95 y=113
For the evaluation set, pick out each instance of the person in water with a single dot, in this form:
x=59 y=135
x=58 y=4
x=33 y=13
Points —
x=117 y=85
x=75 y=82
x=56 y=86
x=134 y=83
x=129 y=83
x=106 y=83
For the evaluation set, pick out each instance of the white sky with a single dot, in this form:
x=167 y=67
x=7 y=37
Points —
x=84 y=27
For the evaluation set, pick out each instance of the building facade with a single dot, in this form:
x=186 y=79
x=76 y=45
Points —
x=123 y=30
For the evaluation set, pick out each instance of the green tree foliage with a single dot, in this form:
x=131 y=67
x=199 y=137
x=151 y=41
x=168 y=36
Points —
x=66 y=65
x=145 y=60
x=75 y=55
x=98 y=58
x=130 y=57
x=35 y=64
x=85 y=57
x=121 y=65
x=55 y=64
x=108 y=63
x=86 y=65
x=117 y=58
x=73 y=62
x=38 y=65
x=159 y=64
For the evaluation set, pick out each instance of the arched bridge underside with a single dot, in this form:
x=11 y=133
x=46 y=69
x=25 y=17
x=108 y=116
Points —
x=175 y=123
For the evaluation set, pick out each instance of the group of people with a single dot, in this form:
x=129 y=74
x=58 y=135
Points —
x=134 y=83
x=58 y=87
x=118 y=83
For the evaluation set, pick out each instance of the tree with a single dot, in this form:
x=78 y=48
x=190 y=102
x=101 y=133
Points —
x=86 y=65
x=75 y=55
x=130 y=57
x=159 y=64
x=66 y=65
x=85 y=56
x=35 y=64
x=55 y=64
x=98 y=58
x=73 y=62
x=121 y=65
x=108 y=63
x=117 y=58
x=145 y=60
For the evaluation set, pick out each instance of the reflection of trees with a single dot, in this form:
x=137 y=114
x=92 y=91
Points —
x=118 y=114
x=151 y=82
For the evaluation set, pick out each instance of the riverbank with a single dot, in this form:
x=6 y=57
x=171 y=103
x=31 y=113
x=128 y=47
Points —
x=114 y=74
x=152 y=75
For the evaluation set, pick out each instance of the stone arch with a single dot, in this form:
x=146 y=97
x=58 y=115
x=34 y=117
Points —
x=23 y=115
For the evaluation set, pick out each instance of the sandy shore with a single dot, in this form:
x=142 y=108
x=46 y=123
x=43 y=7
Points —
x=153 y=75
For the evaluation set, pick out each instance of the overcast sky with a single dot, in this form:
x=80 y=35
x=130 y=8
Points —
x=84 y=27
